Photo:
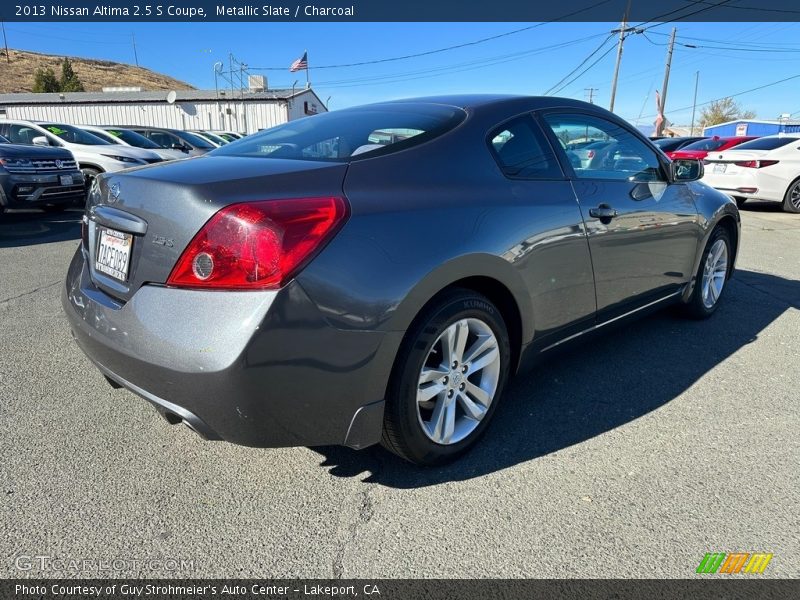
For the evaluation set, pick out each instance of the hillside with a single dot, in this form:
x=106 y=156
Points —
x=95 y=74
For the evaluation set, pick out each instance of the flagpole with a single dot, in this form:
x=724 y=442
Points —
x=308 y=81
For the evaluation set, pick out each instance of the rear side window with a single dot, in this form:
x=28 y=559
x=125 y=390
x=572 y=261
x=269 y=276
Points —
x=351 y=134
x=522 y=151
x=767 y=143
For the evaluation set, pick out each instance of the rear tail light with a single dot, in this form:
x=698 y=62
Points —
x=590 y=154
x=258 y=245
x=755 y=164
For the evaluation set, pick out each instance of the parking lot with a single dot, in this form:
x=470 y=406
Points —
x=631 y=456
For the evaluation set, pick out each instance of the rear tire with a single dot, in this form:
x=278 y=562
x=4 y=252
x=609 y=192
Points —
x=791 y=200
x=448 y=378
x=712 y=275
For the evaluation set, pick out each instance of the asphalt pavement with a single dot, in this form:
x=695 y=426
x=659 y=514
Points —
x=631 y=456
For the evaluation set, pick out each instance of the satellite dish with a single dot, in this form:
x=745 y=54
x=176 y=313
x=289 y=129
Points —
x=172 y=96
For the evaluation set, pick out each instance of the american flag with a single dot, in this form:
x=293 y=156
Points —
x=300 y=64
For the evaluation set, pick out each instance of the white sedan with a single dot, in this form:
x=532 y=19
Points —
x=767 y=168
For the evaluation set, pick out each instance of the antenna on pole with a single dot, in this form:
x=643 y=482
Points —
x=5 y=42
x=135 y=55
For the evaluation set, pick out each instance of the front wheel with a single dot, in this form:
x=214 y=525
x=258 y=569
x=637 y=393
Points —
x=791 y=201
x=448 y=379
x=712 y=275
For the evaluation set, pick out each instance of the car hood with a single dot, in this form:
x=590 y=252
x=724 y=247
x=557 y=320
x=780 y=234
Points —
x=26 y=151
x=107 y=149
x=132 y=152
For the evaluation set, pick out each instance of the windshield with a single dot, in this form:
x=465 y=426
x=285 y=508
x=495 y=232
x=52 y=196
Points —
x=133 y=138
x=195 y=140
x=74 y=135
x=767 y=143
x=342 y=135
x=706 y=145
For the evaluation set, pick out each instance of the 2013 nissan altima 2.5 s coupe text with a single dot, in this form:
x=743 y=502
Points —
x=377 y=274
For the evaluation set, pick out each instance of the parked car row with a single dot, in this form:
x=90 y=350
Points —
x=745 y=167
x=51 y=165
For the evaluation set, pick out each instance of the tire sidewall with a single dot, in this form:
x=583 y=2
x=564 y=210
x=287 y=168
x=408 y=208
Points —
x=459 y=306
x=787 y=201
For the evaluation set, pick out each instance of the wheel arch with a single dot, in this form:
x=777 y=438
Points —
x=487 y=275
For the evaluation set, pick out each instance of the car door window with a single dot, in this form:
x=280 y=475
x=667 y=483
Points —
x=522 y=151
x=615 y=154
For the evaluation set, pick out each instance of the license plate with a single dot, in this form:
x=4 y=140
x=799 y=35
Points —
x=66 y=179
x=113 y=253
x=720 y=167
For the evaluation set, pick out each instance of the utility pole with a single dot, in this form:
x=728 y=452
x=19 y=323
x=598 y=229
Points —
x=135 y=55
x=660 y=130
x=590 y=94
x=623 y=29
x=694 y=103
x=5 y=42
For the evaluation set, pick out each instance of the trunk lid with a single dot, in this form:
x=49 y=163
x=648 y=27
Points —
x=724 y=163
x=159 y=209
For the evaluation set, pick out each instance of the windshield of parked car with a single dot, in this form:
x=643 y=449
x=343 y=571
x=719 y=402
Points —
x=344 y=135
x=196 y=140
x=767 y=143
x=705 y=145
x=132 y=138
x=74 y=135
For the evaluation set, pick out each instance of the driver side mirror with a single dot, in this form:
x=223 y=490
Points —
x=40 y=140
x=686 y=170
x=181 y=147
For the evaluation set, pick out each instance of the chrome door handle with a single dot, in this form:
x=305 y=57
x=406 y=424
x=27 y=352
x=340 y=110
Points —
x=603 y=212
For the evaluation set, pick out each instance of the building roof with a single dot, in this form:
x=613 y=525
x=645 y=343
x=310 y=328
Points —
x=138 y=97
x=767 y=122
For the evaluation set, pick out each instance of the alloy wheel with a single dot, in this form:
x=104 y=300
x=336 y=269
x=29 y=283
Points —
x=715 y=272
x=458 y=381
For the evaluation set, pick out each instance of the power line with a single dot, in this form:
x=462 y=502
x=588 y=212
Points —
x=445 y=49
x=556 y=87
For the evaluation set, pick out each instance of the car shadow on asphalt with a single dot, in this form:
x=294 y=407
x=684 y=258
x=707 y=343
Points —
x=31 y=227
x=594 y=388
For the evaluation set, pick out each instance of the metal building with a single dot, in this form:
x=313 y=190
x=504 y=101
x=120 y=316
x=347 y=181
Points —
x=245 y=112
x=756 y=127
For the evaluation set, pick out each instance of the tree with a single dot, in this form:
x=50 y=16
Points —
x=45 y=81
x=69 y=80
x=721 y=111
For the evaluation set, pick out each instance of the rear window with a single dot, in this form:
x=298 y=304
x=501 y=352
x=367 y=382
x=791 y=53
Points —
x=767 y=143
x=344 y=135
x=707 y=145
x=669 y=144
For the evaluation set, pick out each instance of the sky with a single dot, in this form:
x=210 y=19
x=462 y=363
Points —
x=733 y=57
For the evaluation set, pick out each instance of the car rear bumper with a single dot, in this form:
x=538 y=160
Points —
x=747 y=183
x=20 y=191
x=259 y=369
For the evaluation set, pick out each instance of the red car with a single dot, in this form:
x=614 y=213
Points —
x=701 y=148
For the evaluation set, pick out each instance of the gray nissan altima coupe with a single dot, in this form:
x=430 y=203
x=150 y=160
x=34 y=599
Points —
x=377 y=274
